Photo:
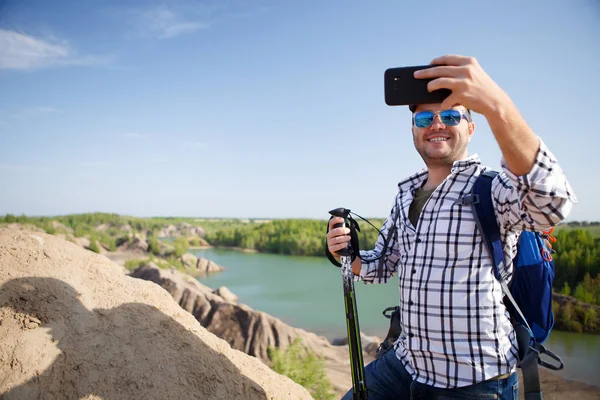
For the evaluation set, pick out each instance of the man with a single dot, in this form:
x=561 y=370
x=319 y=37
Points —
x=457 y=340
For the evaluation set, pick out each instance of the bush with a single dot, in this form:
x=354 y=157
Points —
x=80 y=231
x=566 y=290
x=303 y=367
x=94 y=246
x=590 y=320
x=131 y=265
x=49 y=229
x=153 y=245
x=108 y=241
x=175 y=262
x=194 y=241
x=181 y=246
x=121 y=240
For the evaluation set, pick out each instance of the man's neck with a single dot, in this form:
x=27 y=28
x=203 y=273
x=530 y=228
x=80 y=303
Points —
x=438 y=172
x=436 y=176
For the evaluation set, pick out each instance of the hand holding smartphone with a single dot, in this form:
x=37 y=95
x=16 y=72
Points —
x=402 y=88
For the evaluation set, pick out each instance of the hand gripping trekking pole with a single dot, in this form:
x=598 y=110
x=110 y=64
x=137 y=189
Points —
x=359 y=384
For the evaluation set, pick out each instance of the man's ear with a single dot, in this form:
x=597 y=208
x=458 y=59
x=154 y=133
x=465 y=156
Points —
x=471 y=129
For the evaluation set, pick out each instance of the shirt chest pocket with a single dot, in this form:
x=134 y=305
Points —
x=456 y=235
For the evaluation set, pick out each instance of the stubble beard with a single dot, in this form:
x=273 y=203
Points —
x=437 y=160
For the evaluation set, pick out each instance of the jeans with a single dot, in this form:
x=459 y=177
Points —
x=387 y=379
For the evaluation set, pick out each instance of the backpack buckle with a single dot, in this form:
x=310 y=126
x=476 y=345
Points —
x=469 y=199
x=553 y=366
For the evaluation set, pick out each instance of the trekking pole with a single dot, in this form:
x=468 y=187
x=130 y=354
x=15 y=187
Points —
x=359 y=384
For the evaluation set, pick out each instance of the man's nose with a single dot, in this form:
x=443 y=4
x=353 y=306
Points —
x=437 y=123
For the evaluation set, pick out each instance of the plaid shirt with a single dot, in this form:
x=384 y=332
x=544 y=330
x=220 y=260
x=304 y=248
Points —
x=455 y=328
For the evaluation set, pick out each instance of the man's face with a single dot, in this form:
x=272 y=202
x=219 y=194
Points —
x=439 y=144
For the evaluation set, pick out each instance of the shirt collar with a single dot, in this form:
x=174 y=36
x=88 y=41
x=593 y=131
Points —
x=416 y=181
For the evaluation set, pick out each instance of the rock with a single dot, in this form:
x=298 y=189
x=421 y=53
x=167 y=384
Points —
x=205 y=266
x=245 y=329
x=168 y=231
x=197 y=241
x=137 y=245
x=166 y=249
x=189 y=260
x=197 y=231
x=181 y=229
x=74 y=326
x=226 y=294
x=199 y=266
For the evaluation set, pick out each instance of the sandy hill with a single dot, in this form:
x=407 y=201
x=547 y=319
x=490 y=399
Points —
x=74 y=326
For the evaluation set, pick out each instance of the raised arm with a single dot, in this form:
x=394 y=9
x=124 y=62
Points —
x=533 y=193
x=474 y=89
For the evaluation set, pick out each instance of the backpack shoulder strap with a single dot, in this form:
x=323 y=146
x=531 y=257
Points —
x=485 y=218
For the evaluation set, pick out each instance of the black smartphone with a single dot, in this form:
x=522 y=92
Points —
x=402 y=88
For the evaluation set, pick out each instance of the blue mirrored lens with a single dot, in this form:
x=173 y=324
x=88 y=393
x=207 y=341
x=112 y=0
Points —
x=450 y=117
x=424 y=119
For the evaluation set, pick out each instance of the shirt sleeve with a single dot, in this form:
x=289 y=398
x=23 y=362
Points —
x=369 y=272
x=535 y=201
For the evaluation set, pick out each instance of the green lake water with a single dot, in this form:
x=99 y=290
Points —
x=306 y=292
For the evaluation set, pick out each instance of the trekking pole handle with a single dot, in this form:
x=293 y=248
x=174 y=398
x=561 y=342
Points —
x=342 y=213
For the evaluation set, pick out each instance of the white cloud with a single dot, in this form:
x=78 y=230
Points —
x=134 y=135
x=163 y=23
x=21 y=51
x=176 y=18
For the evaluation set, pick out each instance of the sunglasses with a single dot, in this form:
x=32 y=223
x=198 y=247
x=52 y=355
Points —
x=450 y=117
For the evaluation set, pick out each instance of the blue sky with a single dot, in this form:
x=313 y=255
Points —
x=267 y=109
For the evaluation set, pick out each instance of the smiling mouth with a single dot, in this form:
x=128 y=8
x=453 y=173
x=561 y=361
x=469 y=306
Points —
x=438 y=139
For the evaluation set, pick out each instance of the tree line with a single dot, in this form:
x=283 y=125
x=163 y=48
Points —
x=288 y=237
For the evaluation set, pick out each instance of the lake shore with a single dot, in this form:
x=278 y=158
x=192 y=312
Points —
x=241 y=249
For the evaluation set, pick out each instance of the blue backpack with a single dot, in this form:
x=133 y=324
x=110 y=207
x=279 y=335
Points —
x=528 y=297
